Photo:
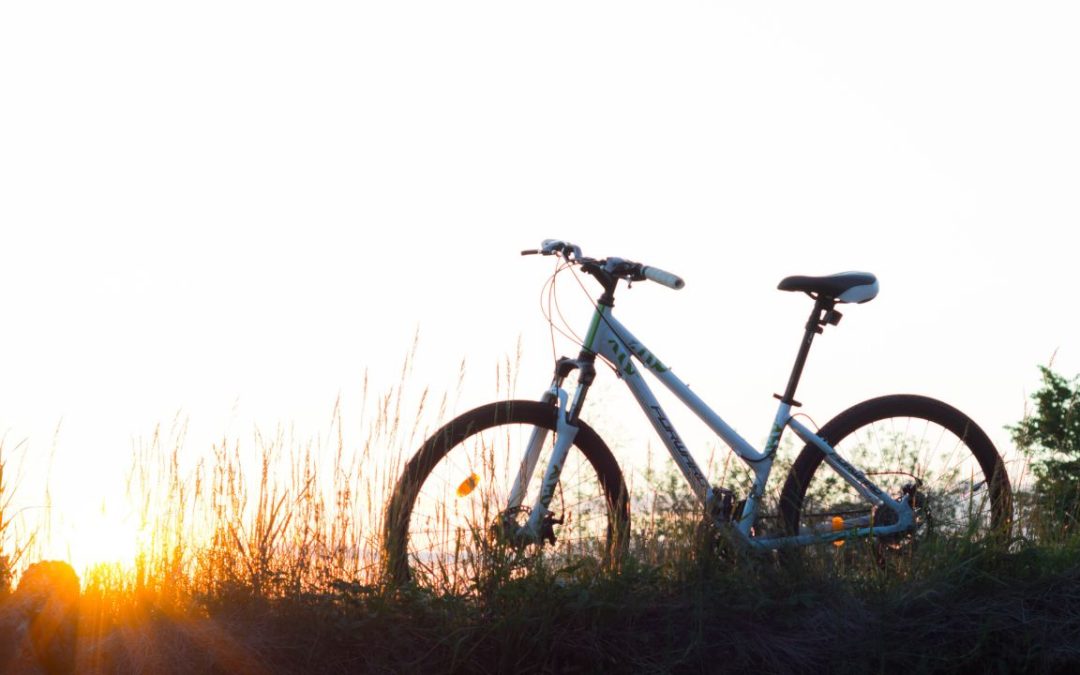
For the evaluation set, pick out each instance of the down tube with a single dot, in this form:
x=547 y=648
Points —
x=612 y=347
x=666 y=430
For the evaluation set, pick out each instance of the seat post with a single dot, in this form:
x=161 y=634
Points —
x=822 y=315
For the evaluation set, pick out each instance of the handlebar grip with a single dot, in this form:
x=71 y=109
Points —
x=663 y=278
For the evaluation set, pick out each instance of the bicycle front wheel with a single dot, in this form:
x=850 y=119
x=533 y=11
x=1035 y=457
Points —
x=448 y=521
x=911 y=447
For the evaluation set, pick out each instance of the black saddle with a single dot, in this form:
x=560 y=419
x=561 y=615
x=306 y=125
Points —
x=846 y=287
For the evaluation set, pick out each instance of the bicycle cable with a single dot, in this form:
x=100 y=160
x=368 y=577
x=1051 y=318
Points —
x=809 y=419
x=549 y=290
x=552 y=309
x=566 y=324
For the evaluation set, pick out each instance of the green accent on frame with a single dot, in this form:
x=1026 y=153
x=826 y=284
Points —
x=648 y=359
x=773 y=443
x=622 y=357
x=593 y=327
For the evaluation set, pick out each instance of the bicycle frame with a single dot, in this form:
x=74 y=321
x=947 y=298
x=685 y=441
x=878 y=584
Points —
x=612 y=341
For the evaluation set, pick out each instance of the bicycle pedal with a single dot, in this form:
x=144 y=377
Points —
x=547 y=528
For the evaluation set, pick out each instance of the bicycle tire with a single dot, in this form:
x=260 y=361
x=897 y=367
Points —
x=909 y=433
x=436 y=538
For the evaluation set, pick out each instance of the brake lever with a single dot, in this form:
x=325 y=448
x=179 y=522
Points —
x=556 y=247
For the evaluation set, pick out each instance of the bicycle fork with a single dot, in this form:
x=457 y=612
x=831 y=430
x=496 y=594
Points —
x=538 y=527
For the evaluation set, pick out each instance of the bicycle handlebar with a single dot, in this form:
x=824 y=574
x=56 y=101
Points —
x=617 y=267
x=663 y=278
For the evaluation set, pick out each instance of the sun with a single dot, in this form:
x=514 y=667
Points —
x=106 y=539
x=92 y=537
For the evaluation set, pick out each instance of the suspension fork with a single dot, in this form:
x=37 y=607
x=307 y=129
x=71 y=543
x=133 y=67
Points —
x=540 y=519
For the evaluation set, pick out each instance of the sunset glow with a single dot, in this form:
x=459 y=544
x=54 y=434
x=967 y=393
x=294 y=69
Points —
x=223 y=225
x=97 y=535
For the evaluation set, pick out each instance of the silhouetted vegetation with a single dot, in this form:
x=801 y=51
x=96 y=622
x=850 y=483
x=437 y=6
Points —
x=1050 y=435
x=272 y=567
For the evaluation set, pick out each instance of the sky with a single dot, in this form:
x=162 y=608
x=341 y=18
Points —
x=231 y=213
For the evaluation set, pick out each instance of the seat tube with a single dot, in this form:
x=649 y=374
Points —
x=821 y=314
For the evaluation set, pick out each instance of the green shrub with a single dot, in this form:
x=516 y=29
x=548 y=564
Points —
x=1050 y=436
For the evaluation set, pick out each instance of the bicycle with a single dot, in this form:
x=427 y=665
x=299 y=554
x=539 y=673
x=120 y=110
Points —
x=460 y=503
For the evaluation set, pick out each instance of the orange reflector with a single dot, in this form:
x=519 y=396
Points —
x=837 y=526
x=468 y=485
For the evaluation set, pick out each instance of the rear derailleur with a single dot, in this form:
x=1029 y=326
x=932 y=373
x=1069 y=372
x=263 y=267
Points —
x=883 y=516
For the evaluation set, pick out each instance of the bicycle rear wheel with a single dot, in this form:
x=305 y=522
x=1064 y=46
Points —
x=445 y=523
x=919 y=447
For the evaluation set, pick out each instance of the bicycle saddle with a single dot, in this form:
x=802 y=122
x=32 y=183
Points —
x=845 y=287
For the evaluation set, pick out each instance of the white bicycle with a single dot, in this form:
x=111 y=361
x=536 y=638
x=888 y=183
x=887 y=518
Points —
x=472 y=494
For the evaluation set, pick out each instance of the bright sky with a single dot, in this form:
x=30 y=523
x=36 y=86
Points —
x=230 y=211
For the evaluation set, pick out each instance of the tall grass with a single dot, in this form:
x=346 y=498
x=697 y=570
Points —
x=264 y=556
x=12 y=548
x=282 y=518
